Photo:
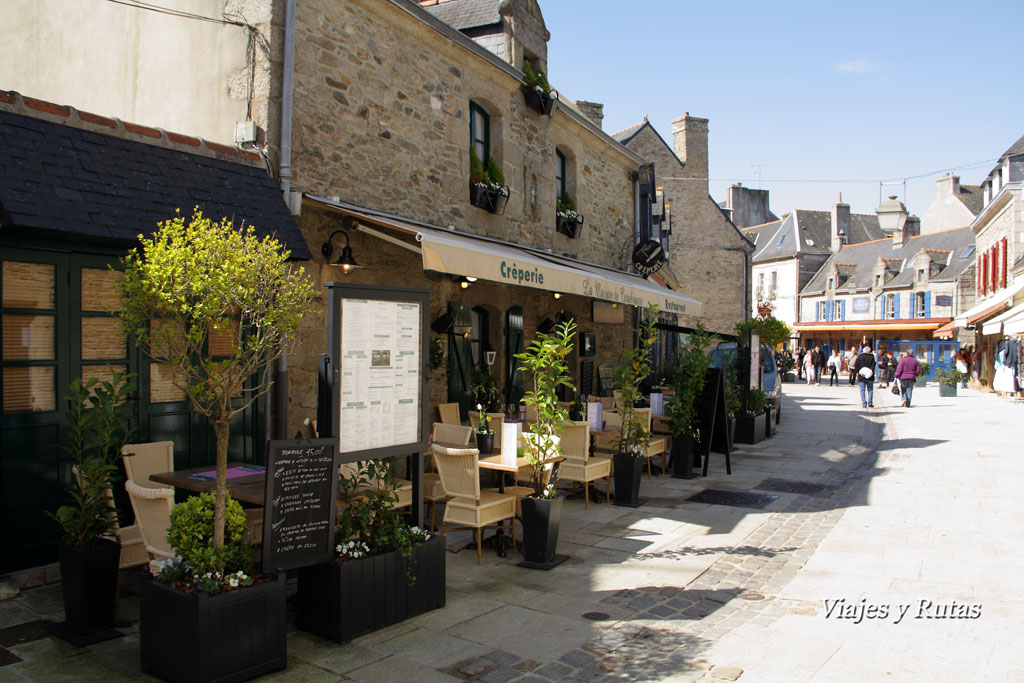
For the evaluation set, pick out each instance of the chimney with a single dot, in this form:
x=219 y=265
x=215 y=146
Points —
x=690 y=140
x=947 y=186
x=592 y=110
x=840 y=224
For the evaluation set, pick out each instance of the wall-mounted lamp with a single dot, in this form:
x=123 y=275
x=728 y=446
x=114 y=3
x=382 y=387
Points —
x=489 y=355
x=558 y=295
x=465 y=282
x=346 y=260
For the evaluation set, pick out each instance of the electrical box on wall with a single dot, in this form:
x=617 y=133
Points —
x=245 y=131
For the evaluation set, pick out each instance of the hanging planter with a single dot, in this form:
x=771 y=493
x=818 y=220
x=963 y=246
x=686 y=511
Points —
x=539 y=101
x=569 y=225
x=489 y=198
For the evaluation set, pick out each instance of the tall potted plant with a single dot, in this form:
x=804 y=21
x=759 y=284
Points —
x=383 y=572
x=98 y=428
x=193 y=282
x=545 y=360
x=634 y=436
x=687 y=381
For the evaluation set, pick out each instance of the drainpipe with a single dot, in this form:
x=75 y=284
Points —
x=285 y=170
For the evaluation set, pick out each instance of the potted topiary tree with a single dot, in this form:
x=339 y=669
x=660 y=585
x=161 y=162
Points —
x=384 y=571
x=191 y=282
x=537 y=91
x=634 y=436
x=545 y=360
x=948 y=381
x=686 y=379
x=98 y=427
x=568 y=220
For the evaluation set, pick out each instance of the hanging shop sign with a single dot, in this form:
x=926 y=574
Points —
x=648 y=257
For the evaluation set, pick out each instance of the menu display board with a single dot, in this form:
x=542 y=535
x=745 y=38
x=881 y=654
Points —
x=380 y=373
x=300 y=496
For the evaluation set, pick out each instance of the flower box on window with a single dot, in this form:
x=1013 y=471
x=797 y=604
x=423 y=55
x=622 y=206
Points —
x=569 y=223
x=539 y=101
x=489 y=197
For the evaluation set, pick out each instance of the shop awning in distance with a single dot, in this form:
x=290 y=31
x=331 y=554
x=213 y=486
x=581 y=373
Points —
x=992 y=306
x=887 y=325
x=459 y=253
x=998 y=324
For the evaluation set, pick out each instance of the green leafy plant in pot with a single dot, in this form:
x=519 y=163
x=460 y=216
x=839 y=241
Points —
x=98 y=428
x=545 y=359
x=635 y=434
x=686 y=379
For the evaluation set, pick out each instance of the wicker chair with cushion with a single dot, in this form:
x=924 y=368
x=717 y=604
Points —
x=152 y=508
x=609 y=443
x=144 y=459
x=579 y=466
x=433 y=491
x=468 y=505
x=450 y=414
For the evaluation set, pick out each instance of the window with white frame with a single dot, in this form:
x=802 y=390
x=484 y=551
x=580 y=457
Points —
x=919 y=299
x=890 y=306
x=822 y=310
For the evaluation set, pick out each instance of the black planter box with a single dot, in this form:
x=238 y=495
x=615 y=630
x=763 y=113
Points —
x=88 y=578
x=570 y=227
x=540 y=103
x=541 y=520
x=488 y=199
x=231 y=636
x=342 y=600
x=770 y=425
x=750 y=429
x=682 y=458
x=628 y=471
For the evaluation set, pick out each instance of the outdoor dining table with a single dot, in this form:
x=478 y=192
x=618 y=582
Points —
x=245 y=482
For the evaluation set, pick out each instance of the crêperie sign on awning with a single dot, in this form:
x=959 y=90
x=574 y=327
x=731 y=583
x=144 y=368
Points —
x=648 y=257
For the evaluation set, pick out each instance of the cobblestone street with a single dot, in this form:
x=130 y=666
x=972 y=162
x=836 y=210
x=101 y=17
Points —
x=896 y=506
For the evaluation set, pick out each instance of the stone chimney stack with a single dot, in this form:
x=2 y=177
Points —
x=592 y=110
x=690 y=140
x=947 y=186
x=840 y=225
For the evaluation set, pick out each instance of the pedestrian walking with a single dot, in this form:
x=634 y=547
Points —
x=851 y=356
x=800 y=362
x=818 y=358
x=884 y=363
x=834 y=363
x=864 y=368
x=961 y=365
x=808 y=366
x=907 y=371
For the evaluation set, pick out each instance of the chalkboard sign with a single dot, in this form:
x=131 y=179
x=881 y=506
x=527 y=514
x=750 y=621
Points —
x=586 y=377
x=604 y=376
x=300 y=496
x=713 y=425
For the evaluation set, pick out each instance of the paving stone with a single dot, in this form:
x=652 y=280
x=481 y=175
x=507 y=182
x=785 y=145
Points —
x=554 y=671
x=501 y=657
x=501 y=674
x=577 y=658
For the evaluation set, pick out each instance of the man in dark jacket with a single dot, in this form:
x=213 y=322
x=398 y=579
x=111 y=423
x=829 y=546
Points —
x=864 y=367
x=907 y=371
x=818 y=359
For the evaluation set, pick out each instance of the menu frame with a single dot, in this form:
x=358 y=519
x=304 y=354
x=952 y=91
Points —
x=339 y=292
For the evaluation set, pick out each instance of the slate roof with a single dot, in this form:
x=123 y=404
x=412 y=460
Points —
x=1015 y=149
x=466 y=14
x=627 y=134
x=971 y=196
x=810 y=232
x=857 y=261
x=71 y=180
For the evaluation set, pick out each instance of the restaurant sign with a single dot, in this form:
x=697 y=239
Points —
x=861 y=304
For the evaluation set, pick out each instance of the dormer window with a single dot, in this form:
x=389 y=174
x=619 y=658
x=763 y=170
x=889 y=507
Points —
x=878 y=280
x=920 y=274
x=831 y=283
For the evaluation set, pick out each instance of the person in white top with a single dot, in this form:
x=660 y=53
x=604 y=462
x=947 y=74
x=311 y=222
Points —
x=834 y=364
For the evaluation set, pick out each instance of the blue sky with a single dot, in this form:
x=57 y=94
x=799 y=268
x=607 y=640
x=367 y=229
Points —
x=814 y=91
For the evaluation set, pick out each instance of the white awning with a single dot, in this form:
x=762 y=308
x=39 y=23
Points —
x=1011 y=322
x=1004 y=297
x=459 y=253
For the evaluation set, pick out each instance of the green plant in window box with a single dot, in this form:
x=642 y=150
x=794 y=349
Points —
x=565 y=207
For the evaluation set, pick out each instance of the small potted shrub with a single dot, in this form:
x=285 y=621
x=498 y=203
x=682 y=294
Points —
x=568 y=220
x=687 y=381
x=537 y=91
x=384 y=571
x=922 y=379
x=948 y=381
x=487 y=188
x=484 y=433
x=751 y=425
x=634 y=436
x=545 y=360
x=186 y=607
x=89 y=554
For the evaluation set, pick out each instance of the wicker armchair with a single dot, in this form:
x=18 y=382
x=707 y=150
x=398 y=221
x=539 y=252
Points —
x=144 y=459
x=450 y=414
x=656 y=445
x=459 y=469
x=433 y=491
x=579 y=466
x=152 y=508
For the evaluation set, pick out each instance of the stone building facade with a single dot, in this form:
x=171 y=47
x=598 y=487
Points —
x=706 y=251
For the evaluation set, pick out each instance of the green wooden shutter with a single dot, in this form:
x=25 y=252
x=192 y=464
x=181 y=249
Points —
x=514 y=344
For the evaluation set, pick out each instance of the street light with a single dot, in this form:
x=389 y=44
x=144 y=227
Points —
x=892 y=215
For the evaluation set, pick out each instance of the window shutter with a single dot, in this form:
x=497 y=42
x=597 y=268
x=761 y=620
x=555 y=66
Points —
x=1002 y=262
x=817 y=311
x=993 y=278
x=927 y=304
x=984 y=273
x=977 y=273
x=828 y=310
x=896 y=305
x=913 y=302
x=842 y=309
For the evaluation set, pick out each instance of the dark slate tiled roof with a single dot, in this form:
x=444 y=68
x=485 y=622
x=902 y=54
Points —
x=467 y=14
x=972 y=198
x=1015 y=149
x=58 y=177
x=858 y=261
x=627 y=134
x=810 y=232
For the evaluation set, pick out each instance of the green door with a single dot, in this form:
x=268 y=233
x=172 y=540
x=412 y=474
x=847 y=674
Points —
x=514 y=344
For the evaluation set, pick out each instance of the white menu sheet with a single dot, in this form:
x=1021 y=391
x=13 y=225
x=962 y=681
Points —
x=380 y=374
